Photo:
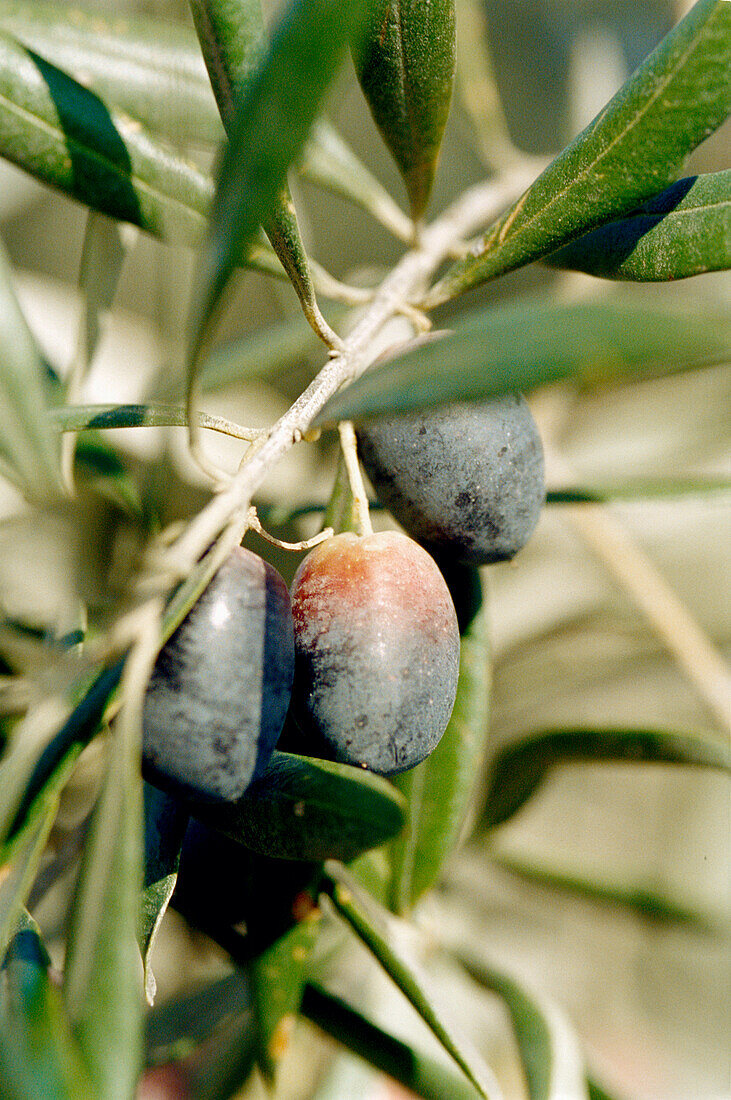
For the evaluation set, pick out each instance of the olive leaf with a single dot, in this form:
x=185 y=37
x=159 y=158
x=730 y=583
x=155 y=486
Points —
x=684 y=231
x=102 y=958
x=153 y=72
x=66 y=136
x=514 y=348
x=38 y=1054
x=232 y=39
x=518 y=769
x=308 y=809
x=405 y=63
x=550 y=1052
x=164 y=821
x=438 y=791
x=281 y=103
x=632 y=150
x=28 y=450
x=405 y=1062
x=378 y=931
x=646 y=903
x=149 y=69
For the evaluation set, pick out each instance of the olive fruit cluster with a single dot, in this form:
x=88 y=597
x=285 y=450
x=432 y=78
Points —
x=368 y=648
x=375 y=636
x=465 y=480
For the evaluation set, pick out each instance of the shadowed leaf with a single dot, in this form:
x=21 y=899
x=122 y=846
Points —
x=684 y=231
x=517 y=348
x=309 y=809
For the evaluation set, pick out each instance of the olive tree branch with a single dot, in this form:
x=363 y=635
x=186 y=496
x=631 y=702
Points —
x=474 y=209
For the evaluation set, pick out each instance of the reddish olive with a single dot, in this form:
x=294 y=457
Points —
x=376 y=651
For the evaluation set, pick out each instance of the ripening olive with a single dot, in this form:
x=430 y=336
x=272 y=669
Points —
x=220 y=689
x=465 y=480
x=376 y=651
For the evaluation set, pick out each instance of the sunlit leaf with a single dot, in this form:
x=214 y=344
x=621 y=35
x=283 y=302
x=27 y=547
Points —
x=439 y=790
x=378 y=931
x=27 y=446
x=232 y=39
x=405 y=63
x=38 y=1054
x=519 y=768
x=19 y=868
x=515 y=348
x=150 y=69
x=165 y=822
x=102 y=987
x=638 y=490
x=549 y=1048
x=632 y=150
x=405 y=1062
x=272 y=121
x=65 y=136
x=309 y=809
x=684 y=231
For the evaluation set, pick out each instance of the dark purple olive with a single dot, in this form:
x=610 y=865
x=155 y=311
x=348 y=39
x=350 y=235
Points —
x=376 y=651
x=466 y=481
x=219 y=693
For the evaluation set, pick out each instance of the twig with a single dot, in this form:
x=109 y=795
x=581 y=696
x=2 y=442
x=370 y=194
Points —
x=474 y=209
x=350 y=457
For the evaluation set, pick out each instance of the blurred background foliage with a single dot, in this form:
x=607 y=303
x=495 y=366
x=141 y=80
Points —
x=608 y=893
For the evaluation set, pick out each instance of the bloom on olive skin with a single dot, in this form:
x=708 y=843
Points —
x=376 y=651
x=466 y=480
x=221 y=686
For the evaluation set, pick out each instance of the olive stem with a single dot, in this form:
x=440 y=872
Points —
x=349 y=445
x=303 y=544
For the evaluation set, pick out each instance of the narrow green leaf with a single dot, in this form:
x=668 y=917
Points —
x=638 y=490
x=102 y=257
x=272 y=121
x=598 y=1092
x=165 y=821
x=27 y=446
x=516 y=348
x=309 y=809
x=45 y=743
x=150 y=69
x=153 y=71
x=549 y=1048
x=101 y=465
x=405 y=63
x=632 y=150
x=379 y=932
x=277 y=983
x=176 y=1026
x=232 y=38
x=646 y=903
x=408 y=1065
x=439 y=791
x=65 y=136
x=20 y=860
x=102 y=987
x=684 y=231
x=38 y=1055
x=81 y=418
x=330 y=162
x=519 y=768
